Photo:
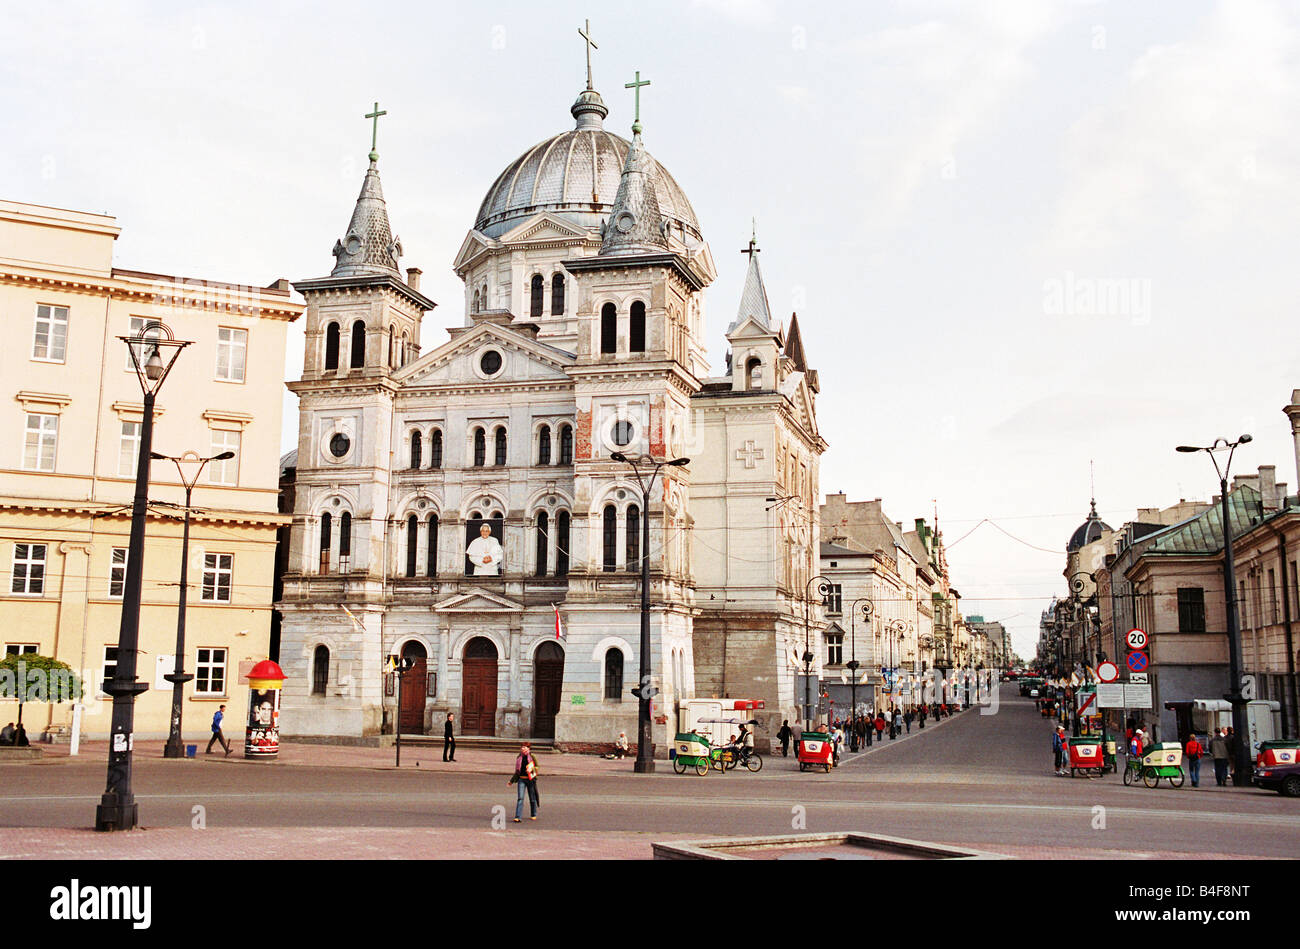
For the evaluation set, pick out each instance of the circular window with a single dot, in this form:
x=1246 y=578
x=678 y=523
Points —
x=339 y=445
x=491 y=362
x=625 y=221
x=622 y=433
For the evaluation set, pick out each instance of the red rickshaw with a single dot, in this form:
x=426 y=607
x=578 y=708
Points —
x=815 y=748
x=1086 y=755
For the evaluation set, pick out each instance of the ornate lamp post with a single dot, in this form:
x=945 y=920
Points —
x=117 y=809
x=823 y=590
x=1242 y=770
x=192 y=464
x=867 y=609
x=645 y=762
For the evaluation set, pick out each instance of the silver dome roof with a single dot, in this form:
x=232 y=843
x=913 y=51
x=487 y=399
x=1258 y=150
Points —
x=576 y=174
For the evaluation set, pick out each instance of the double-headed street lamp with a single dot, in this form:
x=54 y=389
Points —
x=823 y=590
x=1241 y=766
x=117 y=809
x=190 y=464
x=645 y=762
x=867 y=609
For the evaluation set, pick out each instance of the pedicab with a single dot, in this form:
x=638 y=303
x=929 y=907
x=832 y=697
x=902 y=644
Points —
x=728 y=754
x=1164 y=759
x=815 y=748
x=1086 y=755
x=693 y=751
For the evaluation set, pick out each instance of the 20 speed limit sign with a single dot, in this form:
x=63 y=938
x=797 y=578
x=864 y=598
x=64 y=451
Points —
x=1137 y=639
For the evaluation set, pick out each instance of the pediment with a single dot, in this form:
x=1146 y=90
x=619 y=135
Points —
x=795 y=388
x=545 y=226
x=478 y=601
x=474 y=244
x=450 y=364
x=750 y=328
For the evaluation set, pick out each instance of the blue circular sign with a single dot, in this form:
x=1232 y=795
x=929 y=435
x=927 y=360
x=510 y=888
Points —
x=1137 y=662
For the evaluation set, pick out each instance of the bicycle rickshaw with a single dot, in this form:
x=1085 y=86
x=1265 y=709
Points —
x=1162 y=760
x=693 y=751
x=729 y=755
x=815 y=748
x=1086 y=755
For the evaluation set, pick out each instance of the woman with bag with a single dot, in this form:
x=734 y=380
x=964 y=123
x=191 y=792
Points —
x=526 y=777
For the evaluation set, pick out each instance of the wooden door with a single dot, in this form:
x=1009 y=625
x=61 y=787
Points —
x=548 y=679
x=413 y=689
x=479 y=688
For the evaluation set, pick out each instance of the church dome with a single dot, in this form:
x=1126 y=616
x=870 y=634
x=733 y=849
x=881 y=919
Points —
x=575 y=174
x=1088 y=531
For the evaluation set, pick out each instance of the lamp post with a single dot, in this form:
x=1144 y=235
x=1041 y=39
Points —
x=867 y=609
x=399 y=666
x=645 y=762
x=823 y=590
x=117 y=809
x=175 y=747
x=1241 y=766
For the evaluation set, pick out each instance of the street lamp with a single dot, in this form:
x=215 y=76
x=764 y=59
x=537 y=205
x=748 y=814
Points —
x=645 y=762
x=192 y=463
x=823 y=590
x=117 y=809
x=399 y=666
x=1242 y=766
x=867 y=609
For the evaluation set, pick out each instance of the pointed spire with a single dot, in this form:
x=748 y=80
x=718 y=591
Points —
x=753 y=298
x=794 y=344
x=369 y=246
x=635 y=225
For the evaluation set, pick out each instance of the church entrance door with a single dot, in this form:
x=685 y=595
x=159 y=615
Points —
x=414 y=687
x=548 y=678
x=478 y=714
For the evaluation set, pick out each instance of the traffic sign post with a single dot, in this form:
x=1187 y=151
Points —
x=1107 y=671
x=1137 y=662
x=1136 y=639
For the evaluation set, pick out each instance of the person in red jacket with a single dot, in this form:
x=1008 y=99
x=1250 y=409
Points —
x=1194 y=752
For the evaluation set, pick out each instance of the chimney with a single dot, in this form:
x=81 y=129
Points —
x=413 y=278
x=1268 y=488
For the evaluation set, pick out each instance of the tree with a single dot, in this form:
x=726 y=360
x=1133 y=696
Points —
x=33 y=678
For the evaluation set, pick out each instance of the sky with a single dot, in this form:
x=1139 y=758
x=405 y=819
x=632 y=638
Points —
x=1021 y=237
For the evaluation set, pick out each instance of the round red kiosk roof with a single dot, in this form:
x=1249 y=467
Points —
x=266 y=669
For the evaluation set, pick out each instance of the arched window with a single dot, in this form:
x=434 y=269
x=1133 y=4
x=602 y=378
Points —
x=543 y=525
x=403 y=353
x=472 y=530
x=544 y=445
x=435 y=449
x=614 y=674
x=633 y=538
x=483 y=300
x=412 y=543
x=753 y=373
x=500 y=454
x=345 y=542
x=332 y=346
x=562 y=544
x=320 y=670
x=473 y=308
x=535 y=308
x=480 y=448
x=415 y=449
x=610 y=545
x=326 y=528
x=358 y=344
x=566 y=445
x=608 y=329
x=636 y=328
x=432 y=561
x=557 y=295
x=392 y=347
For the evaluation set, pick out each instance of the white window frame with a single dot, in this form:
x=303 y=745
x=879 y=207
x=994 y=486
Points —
x=22 y=649
x=55 y=318
x=128 y=442
x=28 y=562
x=231 y=343
x=38 y=437
x=205 y=667
x=117 y=571
x=835 y=648
x=217 y=566
x=136 y=327
x=225 y=472
x=104 y=667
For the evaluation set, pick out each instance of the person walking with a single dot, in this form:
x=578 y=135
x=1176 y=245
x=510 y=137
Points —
x=1194 y=751
x=1058 y=748
x=217 y=736
x=880 y=727
x=525 y=777
x=1234 y=745
x=921 y=714
x=448 y=739
x=784 y=736
x=1219 y=752
x=895 y=725
x=907 y=720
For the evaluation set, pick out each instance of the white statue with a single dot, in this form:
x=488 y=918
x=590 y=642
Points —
x=485 y=553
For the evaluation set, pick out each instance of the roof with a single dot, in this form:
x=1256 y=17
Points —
x=835 y=550
x=1087 y=532
x=1203 y=534
x=369 y=246
x=753 y=298
x=794 y=344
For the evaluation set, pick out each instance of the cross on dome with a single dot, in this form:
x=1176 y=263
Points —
x=374 y=133
x=585 y=33
x=637 y=84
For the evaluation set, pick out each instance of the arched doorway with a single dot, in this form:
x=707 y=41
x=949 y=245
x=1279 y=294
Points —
x=478 y=713
x=548 y=678
x=414 y=688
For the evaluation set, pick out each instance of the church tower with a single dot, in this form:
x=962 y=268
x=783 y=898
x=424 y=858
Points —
x=362 y=326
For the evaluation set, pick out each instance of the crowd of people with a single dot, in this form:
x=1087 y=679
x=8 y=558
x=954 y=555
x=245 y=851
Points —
x=1221 y=747
x=871 y=724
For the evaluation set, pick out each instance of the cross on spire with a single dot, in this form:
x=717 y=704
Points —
x=752 y=249
x=374 y=133
x=585 y=33
x=636 y=124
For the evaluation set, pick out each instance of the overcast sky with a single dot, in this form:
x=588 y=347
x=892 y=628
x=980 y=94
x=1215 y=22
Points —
x=1019 y=236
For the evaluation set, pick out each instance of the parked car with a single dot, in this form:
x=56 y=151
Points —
x=1283 y=778
x=1033 y=693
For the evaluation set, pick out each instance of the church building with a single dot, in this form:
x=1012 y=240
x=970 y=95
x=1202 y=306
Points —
x=460 y=507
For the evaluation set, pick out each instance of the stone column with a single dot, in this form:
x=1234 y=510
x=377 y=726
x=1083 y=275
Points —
x=1293 y=413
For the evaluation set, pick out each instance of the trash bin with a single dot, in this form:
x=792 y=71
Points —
x=191 y=751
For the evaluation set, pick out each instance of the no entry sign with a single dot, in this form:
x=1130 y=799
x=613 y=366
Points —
x=1107 y=671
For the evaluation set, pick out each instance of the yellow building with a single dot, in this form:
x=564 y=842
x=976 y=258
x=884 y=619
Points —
x=69 y=437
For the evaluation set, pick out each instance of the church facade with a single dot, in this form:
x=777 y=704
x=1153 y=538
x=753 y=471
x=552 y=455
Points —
x=460 y=507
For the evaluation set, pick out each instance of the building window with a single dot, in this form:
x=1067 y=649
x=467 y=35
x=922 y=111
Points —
x=412 y=543
x=535 y=307
x=345 y=542
x=51 y=340
x=566 y=445
x=1241 y=605
x=117 y=572
x=562 y=544
x=834 y=649
x=608 y=329
x=21 y=649
x=611 y=538
x=41 y=442
x=753 y=373
x=500 y=458
x=557 y=294
x=227 y=471
x=614 y=674
x=480 y=448
x=1272 y=595
x=210 y=671
x=218 y=570
x=392 y=347
x=1191 y=610
x=320 y=670
x=834 y=598
x=326 y=529
x=633 y=538
x=108 y=667
x=435 y=449
x=29 y=570
x=473 y=307
x=141 y=326
x=332 y=346
x=544 y=445
x=128 y=455
x=636 y=328
x=483 y=298
x=358 y=344
x=622 y=433
x=543 y=525
x=432 y=556
x=415 y=449
x=232 y=347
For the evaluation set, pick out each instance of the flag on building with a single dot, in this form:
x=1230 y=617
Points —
x=559 y=627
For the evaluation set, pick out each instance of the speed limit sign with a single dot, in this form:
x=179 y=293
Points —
x=1137 y=639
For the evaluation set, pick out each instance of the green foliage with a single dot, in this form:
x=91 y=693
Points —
x=33 y=678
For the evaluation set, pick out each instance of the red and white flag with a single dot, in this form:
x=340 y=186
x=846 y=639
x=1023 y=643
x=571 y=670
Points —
x=559 y=627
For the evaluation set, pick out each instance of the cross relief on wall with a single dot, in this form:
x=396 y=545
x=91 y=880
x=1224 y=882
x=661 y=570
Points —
x=750 y=455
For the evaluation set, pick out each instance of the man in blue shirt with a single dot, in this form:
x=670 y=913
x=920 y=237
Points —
x=216 y=732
